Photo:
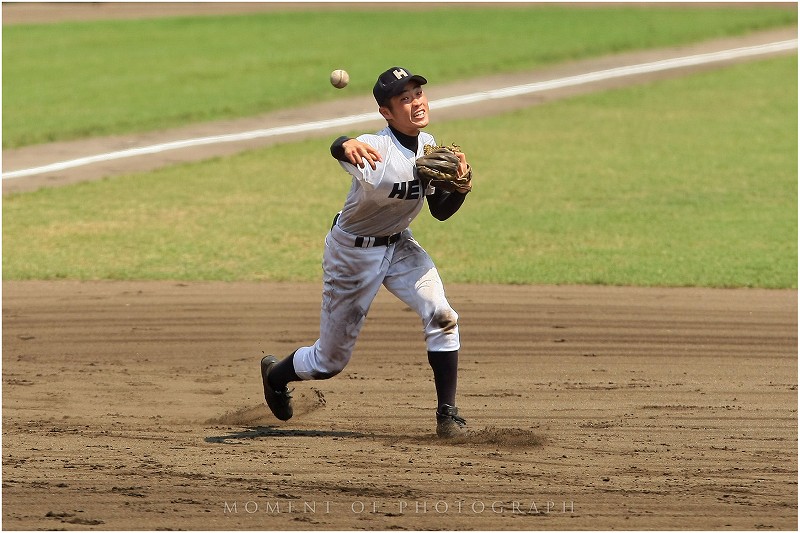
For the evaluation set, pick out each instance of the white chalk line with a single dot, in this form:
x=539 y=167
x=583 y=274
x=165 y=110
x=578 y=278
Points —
x=351 y=120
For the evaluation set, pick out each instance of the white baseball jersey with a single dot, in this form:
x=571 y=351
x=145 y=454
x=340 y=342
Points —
x=380 y=203
x=384 y=201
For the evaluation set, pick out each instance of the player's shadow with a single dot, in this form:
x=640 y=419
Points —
x=272 y=432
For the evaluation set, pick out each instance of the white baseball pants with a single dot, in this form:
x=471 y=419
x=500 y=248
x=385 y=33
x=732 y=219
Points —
x=351 y=279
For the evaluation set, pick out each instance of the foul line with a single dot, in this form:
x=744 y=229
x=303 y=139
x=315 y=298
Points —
x=351 y=120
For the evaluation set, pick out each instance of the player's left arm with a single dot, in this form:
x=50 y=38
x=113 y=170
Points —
x=444 y=204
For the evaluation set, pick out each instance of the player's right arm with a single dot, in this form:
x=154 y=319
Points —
x=355 y=152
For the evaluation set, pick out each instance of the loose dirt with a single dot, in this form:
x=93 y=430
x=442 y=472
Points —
x=139 y=406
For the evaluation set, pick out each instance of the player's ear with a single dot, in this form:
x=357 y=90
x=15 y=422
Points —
x=385 y=112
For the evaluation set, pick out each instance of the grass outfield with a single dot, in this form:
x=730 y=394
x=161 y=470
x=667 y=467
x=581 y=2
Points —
x=685 y=182
x=80 y=79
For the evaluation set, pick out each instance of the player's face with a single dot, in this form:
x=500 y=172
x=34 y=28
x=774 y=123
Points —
x=408 y=112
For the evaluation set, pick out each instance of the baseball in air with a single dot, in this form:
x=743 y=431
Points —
x=340 y=78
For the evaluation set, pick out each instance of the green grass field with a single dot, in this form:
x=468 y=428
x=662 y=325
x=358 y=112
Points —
x=687 y=182
x=72 y=80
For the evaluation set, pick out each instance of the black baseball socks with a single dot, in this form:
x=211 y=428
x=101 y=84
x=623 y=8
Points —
x=445 y=375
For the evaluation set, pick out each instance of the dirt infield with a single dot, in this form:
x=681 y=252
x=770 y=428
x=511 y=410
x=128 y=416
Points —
x=139 y=406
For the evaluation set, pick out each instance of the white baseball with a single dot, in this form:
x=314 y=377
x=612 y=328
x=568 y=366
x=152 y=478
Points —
x=340 y=78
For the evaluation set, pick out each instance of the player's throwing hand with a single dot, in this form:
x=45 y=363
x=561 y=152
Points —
x=358 y=152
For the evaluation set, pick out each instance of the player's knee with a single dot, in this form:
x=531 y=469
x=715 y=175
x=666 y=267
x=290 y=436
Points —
x=445 y=319
x=441 y=332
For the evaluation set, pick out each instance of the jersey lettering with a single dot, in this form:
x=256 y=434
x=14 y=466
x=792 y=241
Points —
x=409 y=190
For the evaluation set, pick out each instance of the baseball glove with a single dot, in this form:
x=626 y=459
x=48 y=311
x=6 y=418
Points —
x=439 y=168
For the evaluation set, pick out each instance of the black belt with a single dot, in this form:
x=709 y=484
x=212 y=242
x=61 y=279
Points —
x=369 y=242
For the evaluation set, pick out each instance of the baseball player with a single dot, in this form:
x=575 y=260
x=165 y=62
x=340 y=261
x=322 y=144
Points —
x=370 y=244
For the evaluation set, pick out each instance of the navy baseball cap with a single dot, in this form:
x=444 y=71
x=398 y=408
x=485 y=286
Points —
x=393 y=82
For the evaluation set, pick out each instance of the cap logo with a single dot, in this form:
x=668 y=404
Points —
x=400 y=74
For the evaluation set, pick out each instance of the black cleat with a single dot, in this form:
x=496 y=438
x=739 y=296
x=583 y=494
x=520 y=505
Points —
x=448 y=423
x=278 y=401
